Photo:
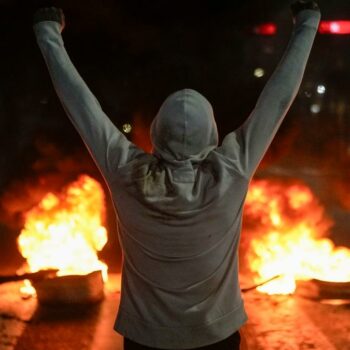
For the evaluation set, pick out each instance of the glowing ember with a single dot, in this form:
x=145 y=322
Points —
x=287 y=238
x=27 y=289
x=65 y=232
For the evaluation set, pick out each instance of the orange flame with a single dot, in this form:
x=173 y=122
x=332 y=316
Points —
x=288 y=230
x=65 y=232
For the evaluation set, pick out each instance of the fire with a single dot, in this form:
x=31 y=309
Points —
x=289 y=229
x=65 y=231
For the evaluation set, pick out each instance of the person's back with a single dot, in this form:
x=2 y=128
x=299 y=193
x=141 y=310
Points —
x=179 y=214
x=179 y=209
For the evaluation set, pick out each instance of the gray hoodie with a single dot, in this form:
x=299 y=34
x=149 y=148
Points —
x=179 y=209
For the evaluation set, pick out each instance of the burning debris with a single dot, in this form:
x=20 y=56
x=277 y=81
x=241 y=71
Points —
x=337 y=293
x=287 y=238
x=65 y=231
x=70 y=289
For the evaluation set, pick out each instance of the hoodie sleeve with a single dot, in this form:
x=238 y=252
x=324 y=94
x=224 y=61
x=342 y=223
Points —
x=247 y=145
x=109 y=148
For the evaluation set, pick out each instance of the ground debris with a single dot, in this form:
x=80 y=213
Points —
x=13 y=317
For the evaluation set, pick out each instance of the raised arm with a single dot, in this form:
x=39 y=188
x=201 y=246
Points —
x=107 y=145
x=247 y=145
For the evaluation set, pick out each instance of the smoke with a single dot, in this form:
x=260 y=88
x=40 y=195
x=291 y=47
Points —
x=140 y=134
x=49 y=173
x=341 y=191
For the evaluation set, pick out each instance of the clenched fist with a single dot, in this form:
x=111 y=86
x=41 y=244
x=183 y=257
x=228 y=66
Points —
x=301 y=5
x=50 y=14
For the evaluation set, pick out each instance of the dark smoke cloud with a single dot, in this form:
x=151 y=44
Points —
x=49 y=173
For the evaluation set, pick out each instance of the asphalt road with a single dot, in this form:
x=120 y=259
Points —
x=275 y=322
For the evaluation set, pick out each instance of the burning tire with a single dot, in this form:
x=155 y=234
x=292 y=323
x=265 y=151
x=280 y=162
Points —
x=317 y=289
x=72 y=289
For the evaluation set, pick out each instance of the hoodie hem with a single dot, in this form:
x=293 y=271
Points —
x=183 y=337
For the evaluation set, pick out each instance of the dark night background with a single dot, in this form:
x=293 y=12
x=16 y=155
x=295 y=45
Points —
x=134 y=53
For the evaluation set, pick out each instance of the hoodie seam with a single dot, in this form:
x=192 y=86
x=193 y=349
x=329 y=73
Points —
x=206 y=323
x=185 y=125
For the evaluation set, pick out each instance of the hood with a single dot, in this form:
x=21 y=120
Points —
x=184 y=128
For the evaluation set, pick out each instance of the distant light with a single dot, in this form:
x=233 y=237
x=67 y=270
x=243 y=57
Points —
x=315 y=108
x=321 y=89
x=334 y=27
x=259 y=72
x=268 y=28
x=127 y=128
x=307 y=94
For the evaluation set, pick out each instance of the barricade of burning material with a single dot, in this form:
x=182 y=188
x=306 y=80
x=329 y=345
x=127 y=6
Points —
x=324 y=290
x=65 y=232
x=71 y=289
x=285 y=223
x=287 y=230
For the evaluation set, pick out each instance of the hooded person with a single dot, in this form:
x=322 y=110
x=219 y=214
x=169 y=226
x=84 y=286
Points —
x=179 y=209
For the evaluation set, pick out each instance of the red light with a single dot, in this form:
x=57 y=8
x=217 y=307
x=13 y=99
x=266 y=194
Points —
x=266 y=29
x=334 y=27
